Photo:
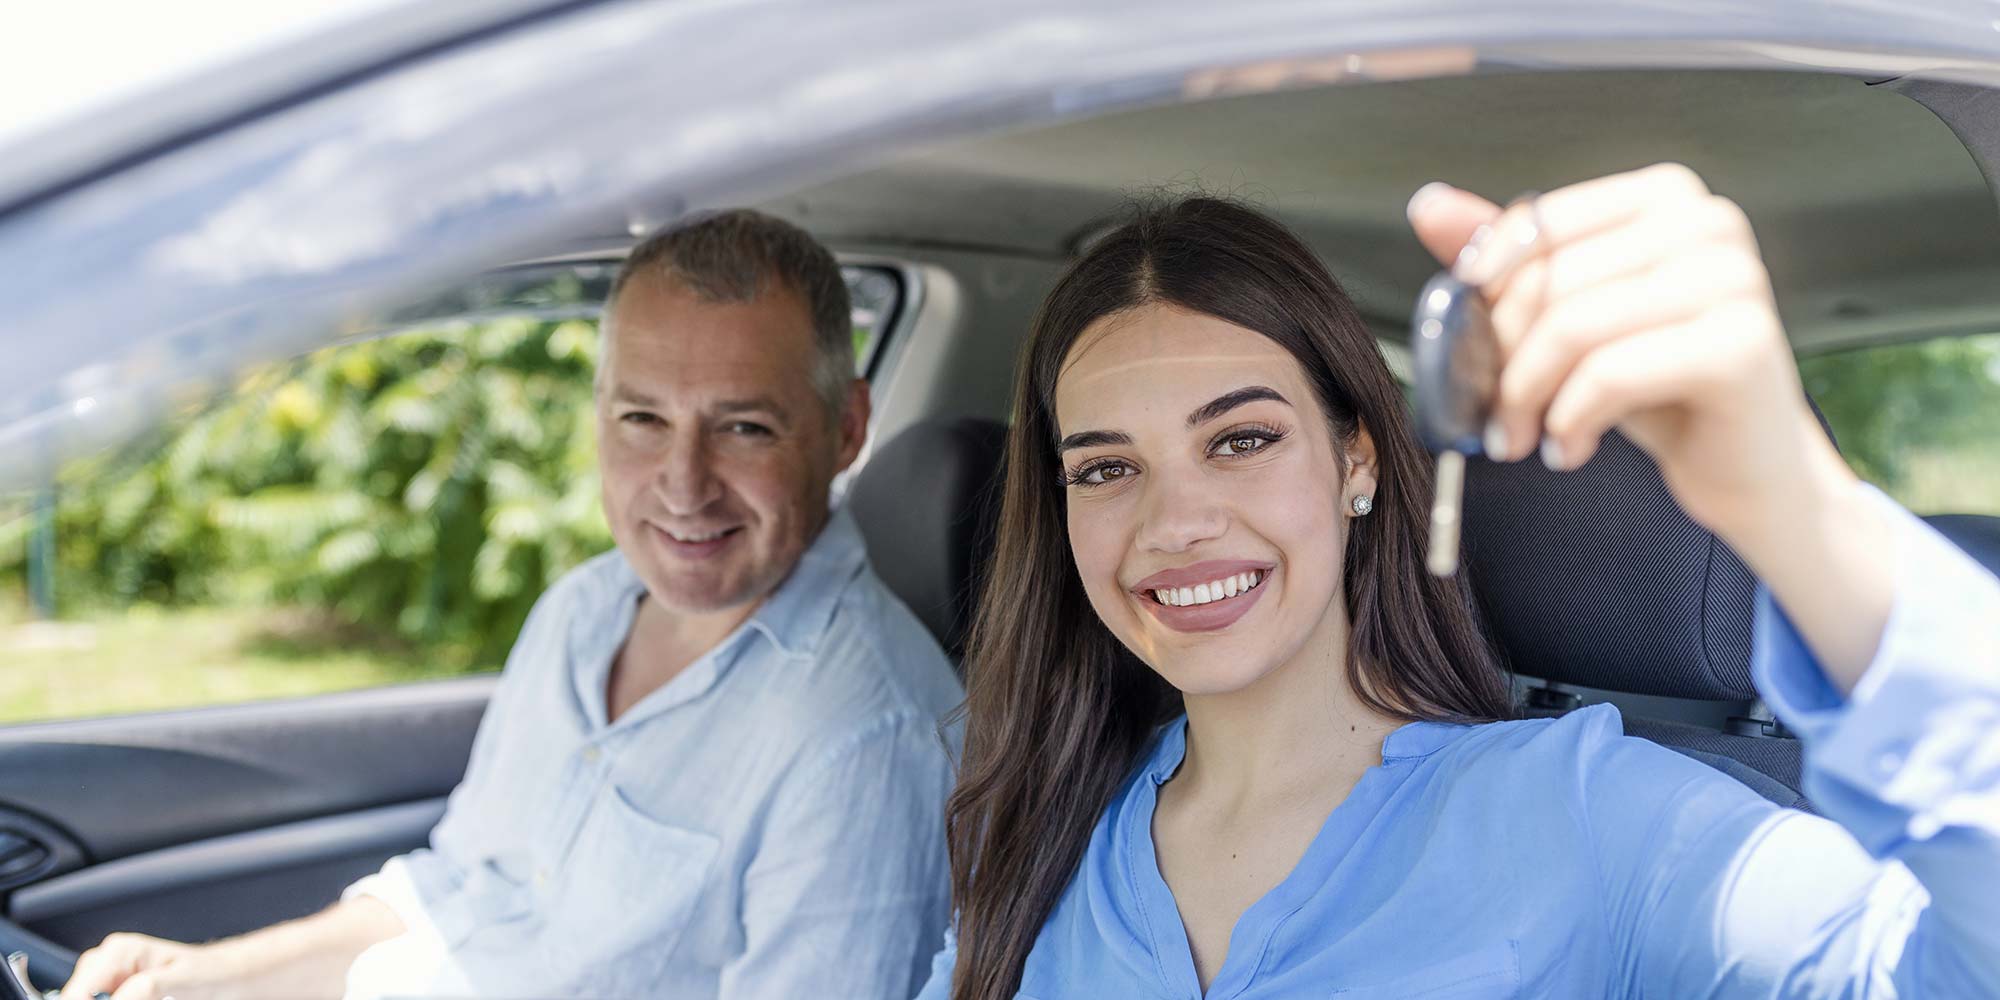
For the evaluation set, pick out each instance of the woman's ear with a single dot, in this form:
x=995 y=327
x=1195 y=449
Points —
x=1361 y=481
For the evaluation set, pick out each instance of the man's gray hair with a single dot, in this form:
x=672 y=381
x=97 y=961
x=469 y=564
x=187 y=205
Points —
x=739 y=255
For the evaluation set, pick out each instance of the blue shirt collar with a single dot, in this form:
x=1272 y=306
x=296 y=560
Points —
x=1409 y=741
x=793 y=619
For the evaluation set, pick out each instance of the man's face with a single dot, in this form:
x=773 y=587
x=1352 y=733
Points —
x=716 y=452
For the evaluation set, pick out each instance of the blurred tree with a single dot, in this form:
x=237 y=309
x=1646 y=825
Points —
x=1899 y=409
x=430 y=484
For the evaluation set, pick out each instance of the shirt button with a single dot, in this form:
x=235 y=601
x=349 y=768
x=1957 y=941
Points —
x=542 y=876
x=591 y=754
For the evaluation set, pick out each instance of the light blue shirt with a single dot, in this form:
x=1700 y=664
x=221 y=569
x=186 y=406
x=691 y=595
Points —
x=1561 y=858
x=769 y=823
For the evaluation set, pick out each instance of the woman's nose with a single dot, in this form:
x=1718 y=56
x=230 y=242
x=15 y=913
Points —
x=1180 y=512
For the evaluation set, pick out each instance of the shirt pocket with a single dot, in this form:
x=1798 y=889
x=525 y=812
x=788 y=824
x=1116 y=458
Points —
x=1492 y=973
x=630 y=882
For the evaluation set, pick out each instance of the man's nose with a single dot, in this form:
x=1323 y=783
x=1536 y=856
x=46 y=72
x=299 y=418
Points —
x=1179 y=512
x=686 y=482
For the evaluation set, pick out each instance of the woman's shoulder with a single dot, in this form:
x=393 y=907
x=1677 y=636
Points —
x=1583 y=746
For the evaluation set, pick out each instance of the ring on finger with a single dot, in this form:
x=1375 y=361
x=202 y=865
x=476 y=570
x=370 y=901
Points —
x=1484 y=259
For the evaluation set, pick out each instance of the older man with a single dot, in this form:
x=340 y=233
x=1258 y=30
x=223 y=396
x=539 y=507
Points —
x=711 y=768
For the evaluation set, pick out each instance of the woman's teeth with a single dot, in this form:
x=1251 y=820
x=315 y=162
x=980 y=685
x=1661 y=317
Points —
x=1209 y=593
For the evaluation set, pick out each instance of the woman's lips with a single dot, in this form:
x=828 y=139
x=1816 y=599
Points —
x=1213 y=616
x=1201 y=572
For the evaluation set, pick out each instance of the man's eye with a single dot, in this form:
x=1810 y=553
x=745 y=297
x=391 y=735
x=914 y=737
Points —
x=744 y=428
x=640 y=417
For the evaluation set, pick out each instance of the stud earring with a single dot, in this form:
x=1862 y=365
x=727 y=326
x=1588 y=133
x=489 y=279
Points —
x=1363 y=504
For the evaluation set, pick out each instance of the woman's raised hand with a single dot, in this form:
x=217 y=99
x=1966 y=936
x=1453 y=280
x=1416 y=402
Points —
x=1639 y=301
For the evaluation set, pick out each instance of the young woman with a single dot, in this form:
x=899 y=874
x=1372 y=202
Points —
x=1226 y=737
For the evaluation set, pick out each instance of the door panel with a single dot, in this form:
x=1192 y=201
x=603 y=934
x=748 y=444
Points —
x=125 y=785
x=208 y=822
x=226 y=885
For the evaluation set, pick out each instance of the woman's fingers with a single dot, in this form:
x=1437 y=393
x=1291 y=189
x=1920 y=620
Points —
x=1667 y=374
x=1681 y=288
x=1631 y=300
x=1641 y=242
x=1444 y=218
x=1576 y=213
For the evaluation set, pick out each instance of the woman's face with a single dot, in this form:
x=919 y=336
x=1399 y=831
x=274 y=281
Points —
x=1206 y=503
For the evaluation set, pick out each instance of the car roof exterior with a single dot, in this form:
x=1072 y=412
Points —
x=150 y=265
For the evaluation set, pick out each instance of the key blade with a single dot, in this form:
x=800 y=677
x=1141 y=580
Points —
x=1443 y=557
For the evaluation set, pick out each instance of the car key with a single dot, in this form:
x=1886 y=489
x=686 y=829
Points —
x=1456 y=360
x=1455 y=354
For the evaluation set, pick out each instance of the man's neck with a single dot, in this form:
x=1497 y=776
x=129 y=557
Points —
x=661 y=644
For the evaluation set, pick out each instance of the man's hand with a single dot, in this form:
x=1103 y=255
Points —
x=140 y=967
x=304 y=958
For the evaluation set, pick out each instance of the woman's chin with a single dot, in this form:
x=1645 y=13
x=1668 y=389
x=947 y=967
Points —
x=1202 y=679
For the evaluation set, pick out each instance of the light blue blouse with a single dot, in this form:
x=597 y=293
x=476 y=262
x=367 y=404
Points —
x=1561 y=858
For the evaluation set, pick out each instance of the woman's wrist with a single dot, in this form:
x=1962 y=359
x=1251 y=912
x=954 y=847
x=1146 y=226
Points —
x=1826 y=551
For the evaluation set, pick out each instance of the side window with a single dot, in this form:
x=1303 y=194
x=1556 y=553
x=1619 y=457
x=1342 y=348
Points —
x=1917 y=419
x=877 y=296
x=373 y=513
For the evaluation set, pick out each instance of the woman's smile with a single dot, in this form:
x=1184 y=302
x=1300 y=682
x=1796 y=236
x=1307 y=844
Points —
x=1206 y=596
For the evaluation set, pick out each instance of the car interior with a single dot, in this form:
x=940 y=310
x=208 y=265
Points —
x=1874 y=216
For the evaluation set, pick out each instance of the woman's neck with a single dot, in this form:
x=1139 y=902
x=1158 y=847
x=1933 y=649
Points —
x=1298 y=730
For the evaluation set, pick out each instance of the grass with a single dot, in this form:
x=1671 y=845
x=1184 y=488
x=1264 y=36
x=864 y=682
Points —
x=148 y=658
x=1951 y=481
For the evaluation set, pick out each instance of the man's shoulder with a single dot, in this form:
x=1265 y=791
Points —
x=872 y=660
x=592 y=587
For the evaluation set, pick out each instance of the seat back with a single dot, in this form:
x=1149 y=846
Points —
x=1596 y=578
x=1977 y=534
x=926 y=503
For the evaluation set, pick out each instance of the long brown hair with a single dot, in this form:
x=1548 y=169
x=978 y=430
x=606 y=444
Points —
x=1057 y=710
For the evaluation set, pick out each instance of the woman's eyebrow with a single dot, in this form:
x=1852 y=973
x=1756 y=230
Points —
x=1206 y=412
x=1231 y=400
x=1092 y=439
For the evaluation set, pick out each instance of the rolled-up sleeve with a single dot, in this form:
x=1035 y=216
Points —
x=1915 y=750
x=420 y=886
x=846 y=893
x=1909 y=763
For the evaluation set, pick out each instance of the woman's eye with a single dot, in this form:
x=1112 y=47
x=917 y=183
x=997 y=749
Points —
x=1242 y=444
x=1100 y=474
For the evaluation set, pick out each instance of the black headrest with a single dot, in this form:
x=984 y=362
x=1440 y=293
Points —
x=926 y=502
x=1597 y=577
x=1977 y=534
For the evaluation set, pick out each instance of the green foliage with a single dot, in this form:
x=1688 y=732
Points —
x=429 y=485
x=1917 y=419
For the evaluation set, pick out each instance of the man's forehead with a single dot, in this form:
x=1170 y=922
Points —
x=698 y=385
x=688 y=350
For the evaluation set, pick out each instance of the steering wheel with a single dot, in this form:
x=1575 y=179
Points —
x=28 y=952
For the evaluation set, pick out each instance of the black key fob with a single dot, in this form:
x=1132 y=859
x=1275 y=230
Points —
x=1455 y=357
